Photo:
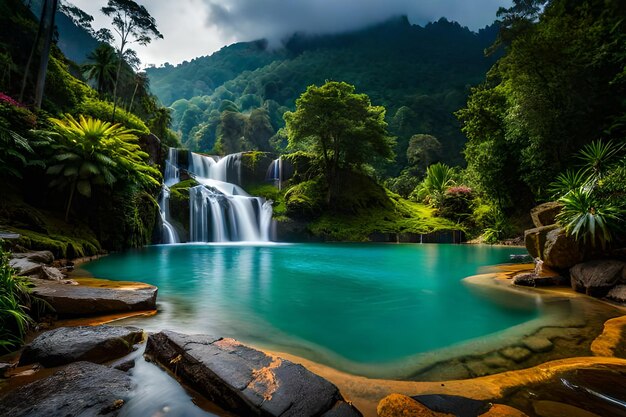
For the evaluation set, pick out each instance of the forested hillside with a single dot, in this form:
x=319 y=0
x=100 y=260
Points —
x=420 y=74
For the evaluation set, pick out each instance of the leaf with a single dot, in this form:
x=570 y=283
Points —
x=84 y=188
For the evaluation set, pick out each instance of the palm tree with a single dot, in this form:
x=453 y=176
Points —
x=101 y=67
x=439 y=177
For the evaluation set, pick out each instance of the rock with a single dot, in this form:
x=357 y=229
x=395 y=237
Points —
x=501 y=410
x=78 y=300
x=559 y=409
x=4 y=367
x=617 y=293
x=25 y=267
x=83 y=343
x=596 y=278
x=525 y=257
x=561 y=251
x=545 y=214
x=82 y=388
x=244 y=380
x=532 y=280
x=453 y=404
x=516 y=353
x=51 y=273
x=494 y=360
x=535 y=240
x=538 y=344
x=151 y=145
x=42 y=256
x=396 y=405
x=126 y=365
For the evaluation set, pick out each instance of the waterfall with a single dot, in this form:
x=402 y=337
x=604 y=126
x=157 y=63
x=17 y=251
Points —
x=275 y=172
x=219 y=209
x=171 y=176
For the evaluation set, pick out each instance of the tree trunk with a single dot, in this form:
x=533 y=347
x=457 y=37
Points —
x=69 y=200
x=45 y=53
x=42 y=17
x=132 y=99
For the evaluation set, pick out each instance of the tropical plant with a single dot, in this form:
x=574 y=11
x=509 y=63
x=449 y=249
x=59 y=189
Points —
x=101 y=66
x=568 y=181
x=439 y=177
x=14 y=302
x=597 y=157
x=587 y=218
x=92 y=152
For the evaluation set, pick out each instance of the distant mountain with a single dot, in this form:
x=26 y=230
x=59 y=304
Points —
x=420 y=74
x=75 y=42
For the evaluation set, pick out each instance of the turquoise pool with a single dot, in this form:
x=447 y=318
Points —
x=336 y=303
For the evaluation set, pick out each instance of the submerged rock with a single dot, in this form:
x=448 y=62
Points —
x=596 y=278
x=244 y=380
x=453 y=404
x=80 y=389
x=83 y=343
x=80 y=300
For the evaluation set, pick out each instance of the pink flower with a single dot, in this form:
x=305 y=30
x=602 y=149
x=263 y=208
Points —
x=10 y=100
x=459 y=189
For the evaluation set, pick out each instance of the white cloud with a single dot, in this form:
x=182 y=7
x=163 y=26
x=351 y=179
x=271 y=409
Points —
x=193 y=28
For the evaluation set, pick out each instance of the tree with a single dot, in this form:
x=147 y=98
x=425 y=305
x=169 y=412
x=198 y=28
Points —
x=341 y=127
x=423 y=150
x=439 y=177
x=132 y=23
x=101 y=67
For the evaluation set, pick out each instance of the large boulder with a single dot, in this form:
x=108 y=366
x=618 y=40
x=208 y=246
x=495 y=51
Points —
x=535 y=240
x=545 y=214
x=561 y=251
x=86 y=343
x=80 y=389
x=81 y=300
x=42 y=256
x=151 y=145
x=598 y=277
x=246 y=381
x=396 y=405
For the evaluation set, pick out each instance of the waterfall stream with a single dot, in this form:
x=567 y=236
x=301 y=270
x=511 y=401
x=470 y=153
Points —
x=219 y=209
x=171 y=176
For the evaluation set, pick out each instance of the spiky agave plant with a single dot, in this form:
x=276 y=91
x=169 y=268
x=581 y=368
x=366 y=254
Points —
x=584 y=218
x=439 y=177
x=597 y=157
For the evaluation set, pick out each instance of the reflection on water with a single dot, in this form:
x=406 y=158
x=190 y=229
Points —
x=365 y=304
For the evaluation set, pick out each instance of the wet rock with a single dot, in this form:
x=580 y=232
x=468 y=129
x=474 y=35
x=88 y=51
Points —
x=80 y=389
x=535 y=240
x=80 y=300
x=4 y=367
x=501 y=410
x=545 y=214
x=395 y=405
x=530 y=279
x=561 y=251
x=538 y=344
x=83 y=343
x=126 y=365
x=453 y=404
x=596 y=278
x=244 y=380
x=516 y=353
x=618 y=294
x=478 y=368
x=51 y=273
x=443 y=371
x=25 y=267
x=555 y=408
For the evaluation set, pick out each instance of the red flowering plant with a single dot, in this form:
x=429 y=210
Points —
x=10 y=100
x=15 y=115
x=457 y=203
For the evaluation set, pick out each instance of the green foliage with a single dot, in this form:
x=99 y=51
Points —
x=271 y=193
x=423 y=151
x=404 y=184
x=305 y=199
x=597 y=157
x=103 y=110
x=568 y=181
x=341 y=128
x=100 y=67
x=14 y=305
x=498 y=227
x=587 y=219
x=439 y=177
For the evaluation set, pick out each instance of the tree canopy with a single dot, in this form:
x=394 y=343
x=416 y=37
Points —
x=340 y=127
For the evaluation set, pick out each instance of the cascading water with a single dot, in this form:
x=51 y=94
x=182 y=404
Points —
x=171 y=176
x=275 y=172
x=219 y=209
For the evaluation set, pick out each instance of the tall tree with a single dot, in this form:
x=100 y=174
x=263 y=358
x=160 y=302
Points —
x=341 y=127
x=132 y=23
x=101 y=67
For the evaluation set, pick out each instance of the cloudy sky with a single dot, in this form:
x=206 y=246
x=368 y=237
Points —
x=193 y=28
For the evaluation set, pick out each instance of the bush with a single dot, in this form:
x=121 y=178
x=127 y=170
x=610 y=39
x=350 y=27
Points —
x=103 y=110
x=14 y=305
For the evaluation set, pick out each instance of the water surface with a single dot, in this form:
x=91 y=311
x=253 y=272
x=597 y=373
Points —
x=339 y=304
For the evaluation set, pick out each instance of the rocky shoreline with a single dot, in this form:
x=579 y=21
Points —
x=242 y=380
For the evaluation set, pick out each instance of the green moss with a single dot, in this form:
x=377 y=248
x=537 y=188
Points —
x=179 y=202
x=60 y=245
x=270 y=192
x=252 y=158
